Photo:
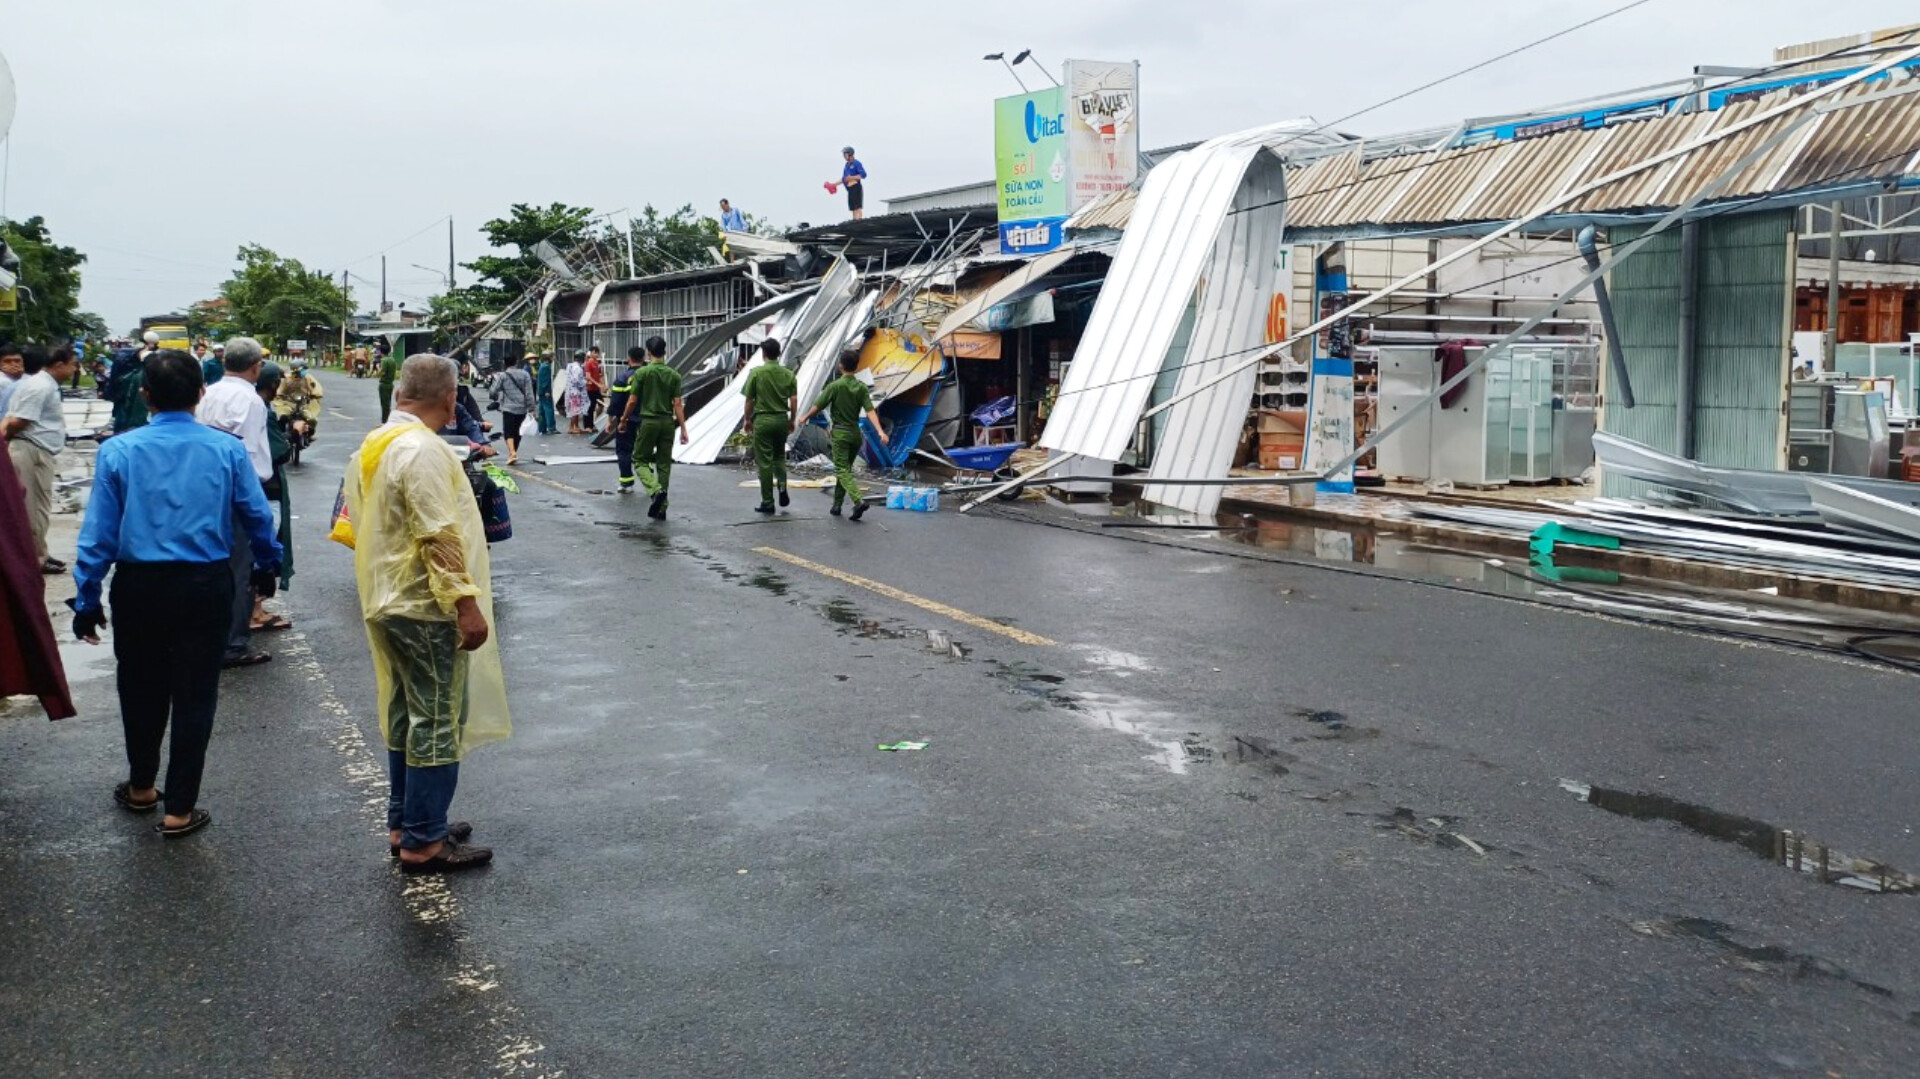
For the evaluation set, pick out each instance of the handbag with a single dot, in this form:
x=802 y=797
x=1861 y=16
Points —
x=493 y=514
x=341 y=531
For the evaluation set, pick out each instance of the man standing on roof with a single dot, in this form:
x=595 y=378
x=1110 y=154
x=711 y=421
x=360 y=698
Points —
x=853 y=176
x=731 y=220
x=772 y=398
x=844 y=401
x=655 y=394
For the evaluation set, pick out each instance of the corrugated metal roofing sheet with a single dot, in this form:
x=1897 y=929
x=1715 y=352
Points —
x=1874 y=140
x=1181 y=211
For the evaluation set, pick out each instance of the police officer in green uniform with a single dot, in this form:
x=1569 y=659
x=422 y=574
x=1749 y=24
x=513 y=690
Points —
x=655 y=394
x=772 y=395
x=389 y=370
x=844 y=401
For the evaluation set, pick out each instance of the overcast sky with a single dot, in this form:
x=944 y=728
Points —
x=158 y=137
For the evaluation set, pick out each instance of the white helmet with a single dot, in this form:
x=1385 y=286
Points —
x=150 y=337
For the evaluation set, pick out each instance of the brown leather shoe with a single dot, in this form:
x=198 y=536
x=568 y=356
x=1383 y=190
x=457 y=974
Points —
x=453 y=857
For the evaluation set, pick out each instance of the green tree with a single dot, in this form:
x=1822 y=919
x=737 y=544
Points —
x=49 y=295
x=663 y=243
x=91 y=326
x=276 y=299
x=211 y=318
x=505 y=277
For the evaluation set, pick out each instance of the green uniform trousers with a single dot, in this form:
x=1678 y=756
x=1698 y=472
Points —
x=653 y=454
x=846 y=447
x=770 y=453
x=386 y=401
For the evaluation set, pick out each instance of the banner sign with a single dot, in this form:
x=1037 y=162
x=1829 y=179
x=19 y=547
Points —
x=1030 y=170
x=1103 y=123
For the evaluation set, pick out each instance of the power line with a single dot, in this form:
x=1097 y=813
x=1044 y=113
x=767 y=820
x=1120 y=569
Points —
x=1491 y=60
x=436 y=223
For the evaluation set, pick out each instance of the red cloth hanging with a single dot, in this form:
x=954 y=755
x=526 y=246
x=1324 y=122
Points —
x=29 y=658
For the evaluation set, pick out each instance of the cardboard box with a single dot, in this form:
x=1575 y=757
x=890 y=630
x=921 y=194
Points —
x=1279 y=458
x=1276 y=421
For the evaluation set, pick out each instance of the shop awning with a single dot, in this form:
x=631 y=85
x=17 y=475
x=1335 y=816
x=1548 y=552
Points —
x=1001 y=291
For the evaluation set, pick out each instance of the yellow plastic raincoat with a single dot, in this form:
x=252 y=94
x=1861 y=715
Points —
x=419 y=546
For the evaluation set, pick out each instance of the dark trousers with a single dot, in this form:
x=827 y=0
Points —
x=170 y=622
x=386 y=401
x=510 y=423
x=418 y=800
x=240 y=617
x=623 y=453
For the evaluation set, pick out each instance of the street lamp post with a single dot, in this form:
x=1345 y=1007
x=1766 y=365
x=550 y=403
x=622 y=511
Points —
x=1002 y=57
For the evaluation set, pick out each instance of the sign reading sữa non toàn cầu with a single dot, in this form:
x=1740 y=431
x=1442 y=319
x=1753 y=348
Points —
x=1031 y=170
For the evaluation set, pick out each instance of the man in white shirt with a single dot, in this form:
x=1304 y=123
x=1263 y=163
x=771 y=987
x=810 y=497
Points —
x=233 y=405
x=36 y=432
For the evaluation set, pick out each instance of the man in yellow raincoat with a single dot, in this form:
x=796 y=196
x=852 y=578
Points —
x=420 y=557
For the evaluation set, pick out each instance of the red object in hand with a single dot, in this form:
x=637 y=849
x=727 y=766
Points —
x=832 y=188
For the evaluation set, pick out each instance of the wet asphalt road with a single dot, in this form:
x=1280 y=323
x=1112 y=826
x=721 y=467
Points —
x=1217 y=816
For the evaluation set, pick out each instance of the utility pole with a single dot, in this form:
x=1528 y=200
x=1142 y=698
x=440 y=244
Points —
x=344 y=319
x=383 y=285
x=1833 y=287
x=449 y=253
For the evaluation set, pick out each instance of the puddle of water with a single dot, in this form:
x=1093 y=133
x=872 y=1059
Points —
x=1106 y=711
x=1438 y=830
x=769 y=582
x=1782 y=846
x=1252 y=749
x=852 y=622
x=1335 y=727
x=1757 y=957
x=1113 y=659
x=940 y=641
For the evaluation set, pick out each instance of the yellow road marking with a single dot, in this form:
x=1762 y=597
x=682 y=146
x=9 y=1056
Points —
x=909 y=598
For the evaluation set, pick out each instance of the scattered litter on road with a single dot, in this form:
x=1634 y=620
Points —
x=900 y=747
x=550 y=462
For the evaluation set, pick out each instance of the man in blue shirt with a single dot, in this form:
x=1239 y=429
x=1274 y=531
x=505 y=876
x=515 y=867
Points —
x=165 y=499
x=731 y=220
x=853 y=177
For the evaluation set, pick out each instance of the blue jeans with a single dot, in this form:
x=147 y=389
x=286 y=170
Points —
x=418 y=799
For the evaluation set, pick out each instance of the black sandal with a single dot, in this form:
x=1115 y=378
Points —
x=196 y=820
x=246 y=659
x=123 y=796
x=459 y=831
x=452 y=858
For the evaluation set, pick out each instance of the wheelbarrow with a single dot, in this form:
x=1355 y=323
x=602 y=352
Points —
x=989 y=461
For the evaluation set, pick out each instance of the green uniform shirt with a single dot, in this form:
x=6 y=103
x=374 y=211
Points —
x=770 y=386
x=389 y=370
x=656 y=385
x=844 y=401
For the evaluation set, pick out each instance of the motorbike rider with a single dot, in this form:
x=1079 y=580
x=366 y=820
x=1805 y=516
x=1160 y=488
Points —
x=299 y=401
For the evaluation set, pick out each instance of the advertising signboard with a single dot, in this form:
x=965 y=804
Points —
x=1031 y=170
x=1103 y=128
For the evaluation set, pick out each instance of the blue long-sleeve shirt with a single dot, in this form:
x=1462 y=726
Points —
x=467 y=424
x=168 y=492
